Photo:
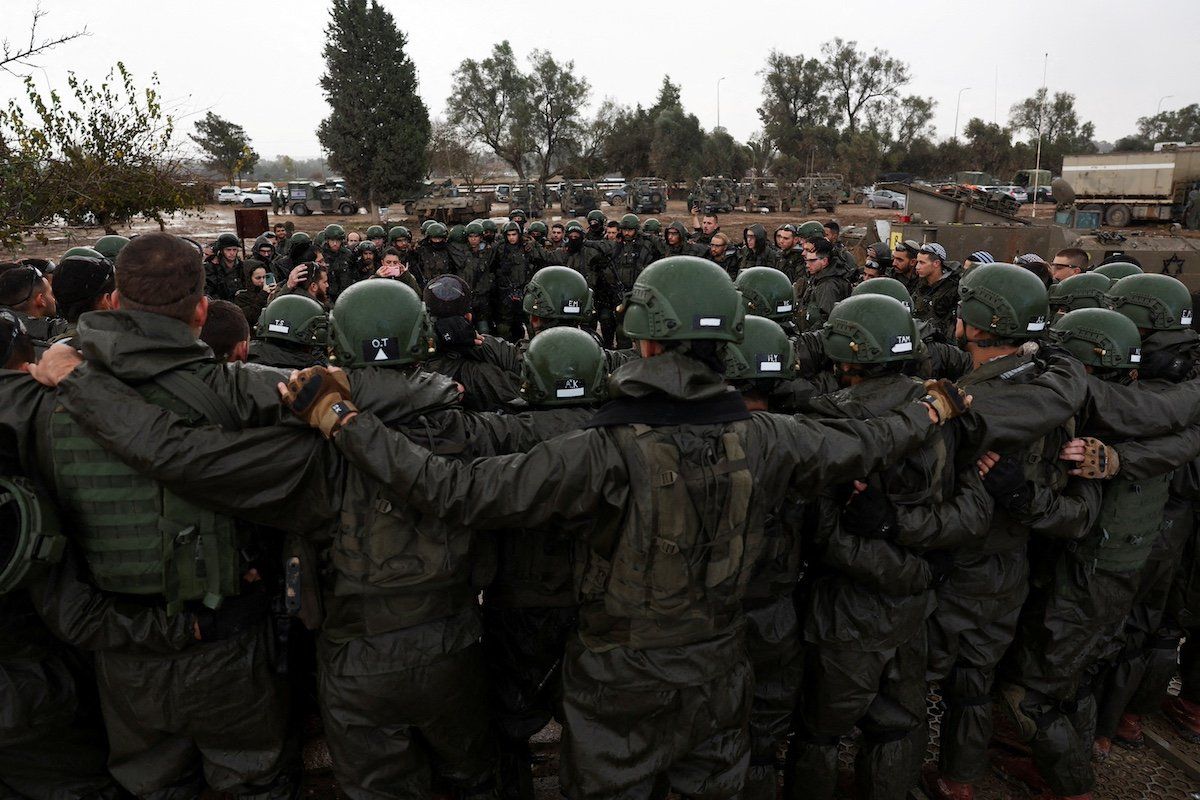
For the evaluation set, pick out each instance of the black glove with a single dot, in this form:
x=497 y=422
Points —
x=870 y=514
x=454 y=331
x=941 y=563
x=235 y=616
x=1006 y=483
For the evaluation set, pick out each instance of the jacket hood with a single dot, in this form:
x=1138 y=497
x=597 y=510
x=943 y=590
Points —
x=760 y=236
x=672 y=374
x=139 y=345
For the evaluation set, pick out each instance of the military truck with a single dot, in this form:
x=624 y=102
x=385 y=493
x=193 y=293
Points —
x=449 y=204
x=577 y=198
x=646 y=196
x=306 y=197
x=1163 y=185
x=529 y=197
x=715 y=194
x=768 y=193
x=819 y=190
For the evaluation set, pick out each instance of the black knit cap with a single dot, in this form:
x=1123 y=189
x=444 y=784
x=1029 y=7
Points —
x=80 y=278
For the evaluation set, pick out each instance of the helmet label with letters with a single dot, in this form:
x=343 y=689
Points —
x=902 y=344
x=570 y=387
x=383 y=348
x=1186 y=317
x=1038 y=323
x=1135 y=355
x=770 y=362
x=572 y=307
x=783 y=307
x=700 y=322
x=278 y=326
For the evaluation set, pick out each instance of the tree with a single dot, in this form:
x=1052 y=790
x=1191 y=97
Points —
x=489 y=104
x=14 y=55
x=721 y=154
x=587 y=147
x=102 y=156
x=795 y=102
x=226 y=145
x=378 y=128
x=627 y=147
x=669 y=96
x=990 y=147
x=1181 y=125
x=678 y=140
x=556 y=97
x=1058 y=123
x=859 y=157
x=761 y=151
x=858 y=79
x=450 y=155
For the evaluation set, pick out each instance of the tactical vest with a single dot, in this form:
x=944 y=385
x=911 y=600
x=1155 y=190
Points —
x=677 y=566
x=138 y=537
x=1131 y=515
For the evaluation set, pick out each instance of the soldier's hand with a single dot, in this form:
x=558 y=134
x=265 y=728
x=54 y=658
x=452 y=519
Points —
x=55 y=364
x=1100 y=461
x=986 y=462
x=321 y=397
x=297 y=276
x=945 y=400
x=869 y=514
x=1004 y=477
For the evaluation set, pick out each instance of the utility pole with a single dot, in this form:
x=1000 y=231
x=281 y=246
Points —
x=719 y=100
x=956 y=107
x=1037 y=169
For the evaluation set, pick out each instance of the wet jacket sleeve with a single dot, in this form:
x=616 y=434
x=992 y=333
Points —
x=1114 y=412
x=815 y=454
x=566 y=478
x=1066 y=514
x=1148 y=458
x=952 y=523
x=1013 y=419
x=281 y=476
x=877 y=564
x=84 y=617
x=810 y=353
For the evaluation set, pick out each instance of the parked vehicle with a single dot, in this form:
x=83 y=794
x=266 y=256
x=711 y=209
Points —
x=819 y=190
x=715 y=194
x=449 y=204
x=885 y=198
x=529 y=197
x=578 y=198
x=306 y=197
x=616 y=197
x=503 y=192
x=646 y=196
x=255 y=197
x=229 y=194
x=1127 y=186
x=1015 y=192
x=265 y=186
x=759 y=193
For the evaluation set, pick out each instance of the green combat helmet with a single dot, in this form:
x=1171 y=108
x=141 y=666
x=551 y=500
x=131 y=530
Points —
x=1004 y=299
x=109 y=246
x=559 y=295
x=629 y=222
x=334 y=231
x=319 y=241
x=1085 y=290
x=518 y=213
x=490 y=226
x=294 y=318
x=376 y=232
x=596 y=215
x=1153 y=302
x=1100 y=338
x=681 y=298
x=765 y=352
x=380 y=324
x=1117 y=270
x=474 y=229
x=82 y=252
x=573 y=225
x=811 y=230
x=227 y=240
x=458 y=234
x=436 y=230
x=425 y=226
x=767 y=292
x=296 y=239
x=30 y=540
x=399 y=232
x=870 y=329
x=563 y=367
x=888 y=287
x=538 y=227
x=652 y=227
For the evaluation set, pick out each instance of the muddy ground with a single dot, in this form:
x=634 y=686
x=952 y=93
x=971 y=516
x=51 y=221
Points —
x=216 y=219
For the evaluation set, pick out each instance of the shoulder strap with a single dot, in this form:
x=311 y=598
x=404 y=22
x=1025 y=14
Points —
x=199 y=396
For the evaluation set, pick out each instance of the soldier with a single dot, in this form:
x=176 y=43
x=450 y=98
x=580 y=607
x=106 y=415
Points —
x=825 y=285
x=791 y=255
x=1026 y=408
x=291 y=334
x=557 y=297
x=298 y=249
x=165 y=732
x=720 y=254
x=399 y=237
x=904 y=263
x=1116 y=269
x=703 y=228
x=595 y=225
x=226 y=332
x=223 y=272
x=510 y=271
x=677 y=244
x=490 y=229
x=558 y=233
x=760 y=367
x=110 y=246
x=377 y=236
x=769 y=294
x=875 y=562
x=82 y=284
x=338 y=260
x=518 y=216
x=393 y=266
x=656 y=685
x=431 y=257
x=529 y=608
x=262 y=254
x=366 y=261
x=757 y=250
x=1079 y=291
x=936 y=297
x=485 y=367
x=25 y=290
x=628 y=256
x=310 y=279
x=881 y=254
x=473 y=263
x=936 y=358
x=587 y=261
x=537 y=232
x=612 y=231
x=402 y=677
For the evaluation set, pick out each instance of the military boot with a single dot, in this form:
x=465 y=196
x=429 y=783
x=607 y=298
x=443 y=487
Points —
x=1022 y=771
x=1129 y=731
x=1101 y=747
x=1184 y=716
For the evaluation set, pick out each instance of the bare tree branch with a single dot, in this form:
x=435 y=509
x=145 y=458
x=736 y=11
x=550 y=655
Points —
x=13 y=55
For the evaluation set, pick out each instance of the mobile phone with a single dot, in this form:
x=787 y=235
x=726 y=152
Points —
x=269 y=281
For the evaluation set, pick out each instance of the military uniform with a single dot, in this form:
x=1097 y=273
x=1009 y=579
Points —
x=936 y=305
x=763 y=254
x=821 y=292
x=222 y=282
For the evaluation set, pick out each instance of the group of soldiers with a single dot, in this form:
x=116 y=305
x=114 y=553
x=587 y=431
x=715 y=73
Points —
x=711 y=507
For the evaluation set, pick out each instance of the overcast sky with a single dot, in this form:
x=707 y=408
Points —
x=258 y=63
